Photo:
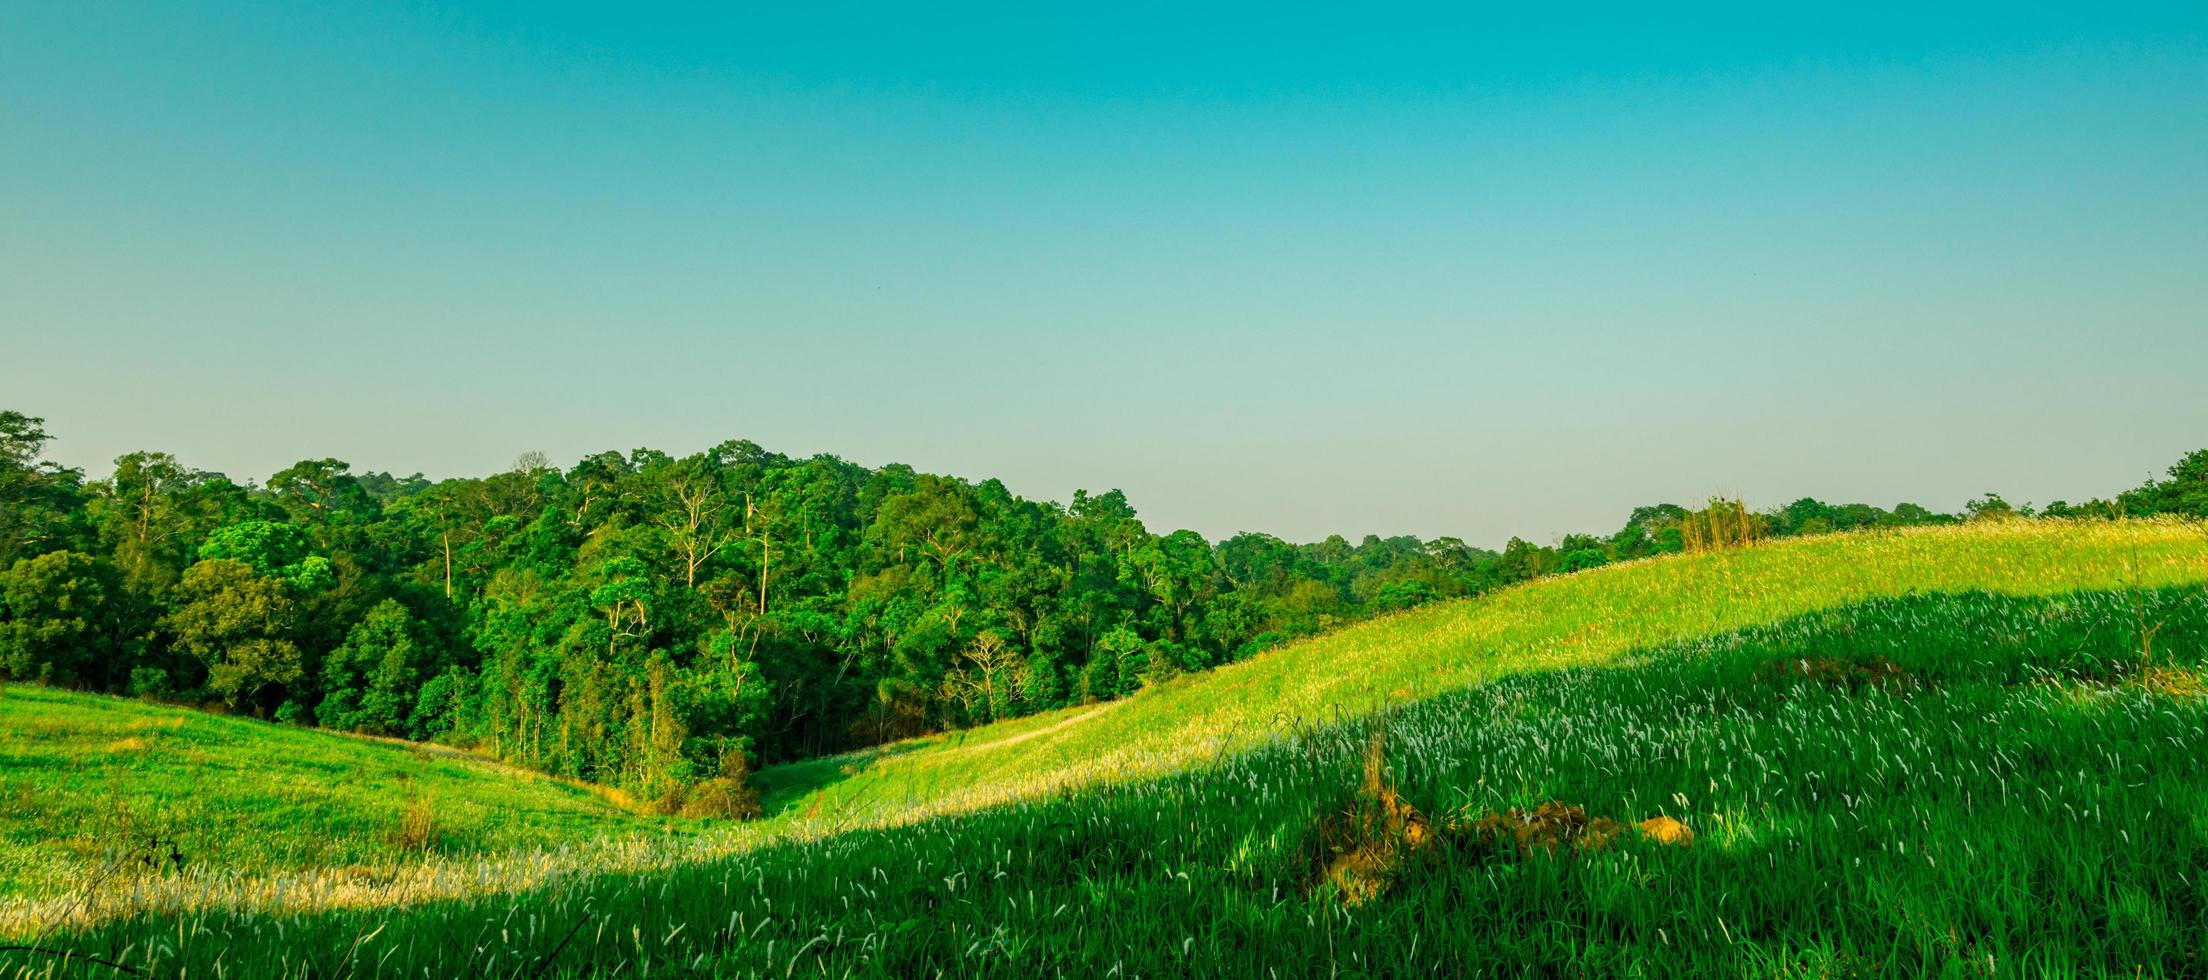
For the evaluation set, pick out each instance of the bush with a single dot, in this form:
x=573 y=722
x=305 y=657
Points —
x=293 y=713
x=417 y=827
x=1583 y=559
x=669 y=803
x=728 y=796
x=1404 y=594
x=148 y=682
x=721 y=798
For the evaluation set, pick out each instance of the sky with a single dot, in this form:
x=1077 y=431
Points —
x=1464 y=270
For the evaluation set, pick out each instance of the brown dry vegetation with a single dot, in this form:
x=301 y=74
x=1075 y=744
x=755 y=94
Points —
x=1721 y=525
x=1849 y=675
x=417 y=826
x=1360 y=850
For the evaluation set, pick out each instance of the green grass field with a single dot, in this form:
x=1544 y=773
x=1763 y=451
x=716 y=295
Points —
x=1947 y=752
x=98 y=788
x=1591 y=618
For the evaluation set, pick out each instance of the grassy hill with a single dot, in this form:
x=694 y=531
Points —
x=1591 y=618
x=94 y=787
x=1965 y=750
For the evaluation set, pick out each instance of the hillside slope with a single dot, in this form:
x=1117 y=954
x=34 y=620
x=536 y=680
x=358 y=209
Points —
x=1619 y=616
x=1992 y=763
x=1591 y=618
x=92 y=784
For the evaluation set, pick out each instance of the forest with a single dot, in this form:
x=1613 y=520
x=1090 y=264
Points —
x=660 y=624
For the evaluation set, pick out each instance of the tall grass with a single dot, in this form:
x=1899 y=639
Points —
x=1961 y=784
x=1588 y=618
x=1721 y=524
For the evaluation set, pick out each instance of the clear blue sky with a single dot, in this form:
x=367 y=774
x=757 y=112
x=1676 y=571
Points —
x=1444 y=271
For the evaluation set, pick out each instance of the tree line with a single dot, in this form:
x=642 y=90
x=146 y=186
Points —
x=661 y=623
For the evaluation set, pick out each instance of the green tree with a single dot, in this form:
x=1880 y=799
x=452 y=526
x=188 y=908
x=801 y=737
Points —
x=238 y=623
x=1523 y=560
x=936 y=520
x=372 y=682
x=145 y=511
x=321 y=492
x=64 y=621
x=1179 y=571
x=40 y=502
x=1580 y=559
x=1404 y=594
x=1992 y=508
x=449 y=516
x=272 y=549
x=695 y=514
x=625 y=597
x=657 y=768
x=2185 y=492
x=725 y=696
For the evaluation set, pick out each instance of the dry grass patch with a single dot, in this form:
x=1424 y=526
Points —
x=1666 y=830
x=1850 y=675
x=416 y=829
x=1362 y=849
x=1549 y=828
x=1359 y=849
x=2170 y=682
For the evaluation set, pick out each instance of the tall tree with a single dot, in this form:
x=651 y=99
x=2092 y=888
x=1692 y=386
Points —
x=40 y=501
x=372 y=682
x=64 y=621
x=321 y=492
x=695 y=513
x=238 y=622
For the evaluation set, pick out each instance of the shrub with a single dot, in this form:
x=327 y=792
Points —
x=1405 y=594
x=728 y=796
x=668 y=803
x=417 y=827
x=293 y=713
x=1723 y=524
x=721 y=798
x=1582 y=559
x=148 y=682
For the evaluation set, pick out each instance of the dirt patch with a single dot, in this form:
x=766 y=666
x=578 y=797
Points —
x=1052 y=728
x=1849 y=675
x=1548 y=828
x=1362 y=849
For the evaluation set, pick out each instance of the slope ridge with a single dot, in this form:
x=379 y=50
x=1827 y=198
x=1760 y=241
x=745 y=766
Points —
x=1585 y=619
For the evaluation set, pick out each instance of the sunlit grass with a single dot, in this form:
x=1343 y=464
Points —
x=2012 y=786
x=1584 y=619
x=101 y=788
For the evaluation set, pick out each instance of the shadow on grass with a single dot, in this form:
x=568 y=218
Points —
x=781 y=787
x=1982 y=813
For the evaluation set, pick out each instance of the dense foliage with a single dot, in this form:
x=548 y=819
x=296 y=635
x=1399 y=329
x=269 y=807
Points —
x=649 y=621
